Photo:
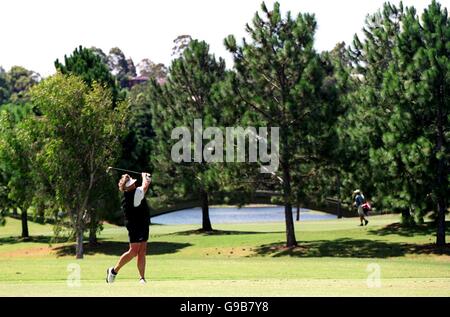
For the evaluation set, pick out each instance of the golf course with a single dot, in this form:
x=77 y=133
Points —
x=199 y=149
x=333 y=258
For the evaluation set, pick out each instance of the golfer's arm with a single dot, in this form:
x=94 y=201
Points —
x=145 y=186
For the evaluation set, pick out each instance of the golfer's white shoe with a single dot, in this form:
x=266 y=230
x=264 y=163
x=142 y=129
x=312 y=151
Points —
x=142 y=281
x=110 y=277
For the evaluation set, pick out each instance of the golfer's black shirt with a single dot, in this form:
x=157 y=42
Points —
x=133 y=215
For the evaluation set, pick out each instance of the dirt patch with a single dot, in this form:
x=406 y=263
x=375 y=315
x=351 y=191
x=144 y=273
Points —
x=29 y=252
x=229 y=252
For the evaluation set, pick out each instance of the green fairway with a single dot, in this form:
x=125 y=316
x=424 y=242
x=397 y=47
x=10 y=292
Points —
x=335 y=257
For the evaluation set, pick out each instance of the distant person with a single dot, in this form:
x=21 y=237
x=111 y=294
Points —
x=359 y=202
x=137 y=220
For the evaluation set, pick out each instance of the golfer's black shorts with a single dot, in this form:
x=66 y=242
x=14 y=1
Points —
x=138 y=232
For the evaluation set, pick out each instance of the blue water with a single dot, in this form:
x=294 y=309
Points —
x=236 y=215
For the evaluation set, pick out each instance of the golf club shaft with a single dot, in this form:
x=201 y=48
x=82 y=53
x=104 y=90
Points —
x=124 y=170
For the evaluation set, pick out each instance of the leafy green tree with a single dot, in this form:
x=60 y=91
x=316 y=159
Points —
x=360 y=129
x=416 y=137
x=15 y=154
x=82 y=134
x=90 y=66
x=280 y=77
x=136 y=145
x=12 y=114
x=5 y=89
x=187 y=95
x=18 y=80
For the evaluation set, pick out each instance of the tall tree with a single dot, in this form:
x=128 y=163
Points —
x=365 y=119
x=19 y=81
x=136 y=145
x=82 y=134
x=280 y=78
x=15 y=153
x=416 y=137
x=88 y=65
x=187 y=95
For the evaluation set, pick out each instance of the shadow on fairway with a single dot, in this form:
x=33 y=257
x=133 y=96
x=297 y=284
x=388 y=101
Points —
x=118 y=248
x=349 y=248
x=425 y=229
x=34 y=239
x=219 y=232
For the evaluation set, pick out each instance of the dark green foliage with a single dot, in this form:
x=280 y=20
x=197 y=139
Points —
x=281 y=80
x=5 y=89
x=15 y=83
x=136 y=146
x=396 y=126
x=415 y=143
x=15 y=167
x=77 y=137
x=187 y=95
x=361 y=127
x=90 y=66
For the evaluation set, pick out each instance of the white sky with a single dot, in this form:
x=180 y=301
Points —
x=34 y=33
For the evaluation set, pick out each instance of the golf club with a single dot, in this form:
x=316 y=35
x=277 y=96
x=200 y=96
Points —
x=123 y=170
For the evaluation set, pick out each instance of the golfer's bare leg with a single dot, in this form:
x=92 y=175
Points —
x=141 y=258
x=127 y=256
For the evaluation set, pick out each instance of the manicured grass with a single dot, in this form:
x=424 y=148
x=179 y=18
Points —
x=334 y=258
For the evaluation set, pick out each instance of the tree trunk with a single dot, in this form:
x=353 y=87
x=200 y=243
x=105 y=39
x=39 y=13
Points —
x=298 y=212
x=440 y=236
x=24 y=217
x=40 y=213
x=79 y=246
x=442 y=172
x=290 y=231
x=339 y=209
x=406 y=217
x=93 y=232
x=206 y=222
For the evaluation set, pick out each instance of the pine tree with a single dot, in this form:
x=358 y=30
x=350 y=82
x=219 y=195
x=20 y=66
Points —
x=187 y=95
x=416 y=141
x=89 y=65
x=360 y=129
x=280 y=78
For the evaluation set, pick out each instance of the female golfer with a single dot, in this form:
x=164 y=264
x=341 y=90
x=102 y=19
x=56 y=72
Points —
x=137 y=220
x=359 y=202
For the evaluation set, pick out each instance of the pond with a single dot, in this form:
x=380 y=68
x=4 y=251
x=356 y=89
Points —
x=237 y=215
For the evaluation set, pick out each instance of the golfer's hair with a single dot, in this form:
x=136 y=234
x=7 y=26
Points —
x=123 y=180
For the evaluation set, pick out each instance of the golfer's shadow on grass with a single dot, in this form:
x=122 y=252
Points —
x=118 y=248
x=346 y=248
